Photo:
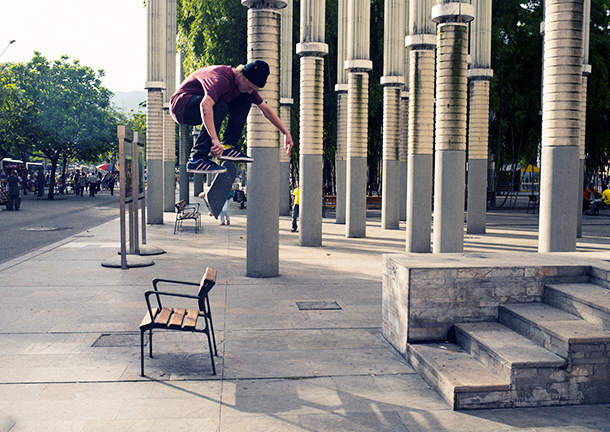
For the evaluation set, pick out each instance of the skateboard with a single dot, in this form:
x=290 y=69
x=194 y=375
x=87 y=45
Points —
x=218 y=193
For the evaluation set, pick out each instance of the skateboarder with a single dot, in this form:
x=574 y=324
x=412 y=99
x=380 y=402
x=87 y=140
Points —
x=207 y=96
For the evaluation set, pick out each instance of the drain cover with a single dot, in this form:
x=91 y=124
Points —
x=118 y=340
x=318 y=305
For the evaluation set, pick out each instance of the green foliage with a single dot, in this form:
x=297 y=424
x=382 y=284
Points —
x=211 y=32
x=60 y=109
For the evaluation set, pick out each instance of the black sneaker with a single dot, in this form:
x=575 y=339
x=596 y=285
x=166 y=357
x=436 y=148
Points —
x=232 y=154
x=204 y=166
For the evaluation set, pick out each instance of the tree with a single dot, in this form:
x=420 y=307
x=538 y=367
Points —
x=63 y=110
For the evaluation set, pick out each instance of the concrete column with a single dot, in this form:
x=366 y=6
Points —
x=450 y=127
x=422 y=42
x=341 y=89
x=358 y=65
x=341 y=154
x=479 y=75
x=403 y=155
x=154 y=109
x=561 y=117
x=285 y=103
x=184 y=149
x=263 y=174
x=393 y=81
x=169 y=126
x=586 y=70
x=311 y=49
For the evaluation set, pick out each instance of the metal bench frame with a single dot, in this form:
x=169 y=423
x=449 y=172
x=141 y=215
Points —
x=180 y=319
x=184 y=212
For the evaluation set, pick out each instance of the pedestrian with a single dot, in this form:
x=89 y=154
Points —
x=82 y=182
x=40 y=183
x=93 y=180
x=295 y=206
x=14 y=186
x=111 y=184
x=224 y=213
x=207 y=96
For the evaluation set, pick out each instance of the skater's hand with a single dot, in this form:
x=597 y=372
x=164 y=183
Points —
x=217 y=148
x=288 y=143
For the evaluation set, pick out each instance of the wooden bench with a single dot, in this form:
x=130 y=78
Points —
x=532 y=202
x=373 y=202
x=179 y=319
x=330 y=201
x=185 y=213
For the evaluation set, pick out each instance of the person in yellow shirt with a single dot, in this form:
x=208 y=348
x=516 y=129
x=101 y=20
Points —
x=295 y=207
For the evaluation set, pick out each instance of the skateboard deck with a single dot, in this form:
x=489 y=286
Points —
x=218 y=193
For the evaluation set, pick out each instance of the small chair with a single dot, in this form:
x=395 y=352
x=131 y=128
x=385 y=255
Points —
x=533 y=202
x=184 y=212
x=178 y=319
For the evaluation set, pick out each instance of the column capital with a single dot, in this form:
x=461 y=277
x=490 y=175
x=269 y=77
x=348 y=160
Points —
x=286 y=101
x=480 y=74
x=586 y=69
x=341 y=87
x=392 y=81
x=317 y=49
x=453 y=12
x=421 y=40
x=151 y=85
x=358 y=65
x=261 y=4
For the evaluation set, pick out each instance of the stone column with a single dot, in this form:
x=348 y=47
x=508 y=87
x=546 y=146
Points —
x=311 y=49
x=169 y=126
x=358 y=65
x=341 y=89
x=403 y=141
x=392 y=80
x=184 y=149
x=561 y=117
x=263 y=174
x=450 y=127
x=479 y=75
x=154 y=109
x=422 y=43
x=285 y=103
x=586 y=71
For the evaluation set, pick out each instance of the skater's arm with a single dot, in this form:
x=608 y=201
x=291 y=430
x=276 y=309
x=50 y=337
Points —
x=207 y=115
x=275 y=121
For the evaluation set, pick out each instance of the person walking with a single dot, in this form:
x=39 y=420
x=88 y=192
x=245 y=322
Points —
x=82 y=182
x=14 y=186
x=295 y=207
x=93 y=180
x=209 y=95
x=224 y=213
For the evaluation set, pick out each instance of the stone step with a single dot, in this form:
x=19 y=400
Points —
x=537 y=376
x=462 y=381
x=558 y=331
x=587 y=301
x=503 y=350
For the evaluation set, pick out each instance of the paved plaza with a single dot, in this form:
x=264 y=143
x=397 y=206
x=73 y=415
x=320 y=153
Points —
x=69 y=340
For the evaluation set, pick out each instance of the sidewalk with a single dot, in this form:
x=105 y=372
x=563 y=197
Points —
x=69 y=339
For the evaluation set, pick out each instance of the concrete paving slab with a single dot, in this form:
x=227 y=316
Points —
x=278 y=368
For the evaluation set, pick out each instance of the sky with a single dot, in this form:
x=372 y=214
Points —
x=102 y=34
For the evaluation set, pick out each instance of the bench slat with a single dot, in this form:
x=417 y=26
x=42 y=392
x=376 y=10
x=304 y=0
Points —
x=163 y=317
x=190 y=321
x=146 y=321
x=177 y=318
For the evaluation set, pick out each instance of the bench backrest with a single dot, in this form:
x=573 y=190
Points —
x=207 y=283
x=180 y=206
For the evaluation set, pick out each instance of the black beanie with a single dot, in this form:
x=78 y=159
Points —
x=256 y=72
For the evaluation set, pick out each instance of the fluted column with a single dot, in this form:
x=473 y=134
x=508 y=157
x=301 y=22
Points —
x=586 y=71
x=169 y=126
x=286 y=102
x=358 y=66
x=403 y=141
x=154 y=109
x=422 y=44
x=263 y=139
x=479 y=75
x=393 y=81
x=184 y=149
x=561 y=118
x=311 y=49
x=341 y=89
x=450 y=124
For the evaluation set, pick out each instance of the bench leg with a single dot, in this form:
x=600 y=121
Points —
x=208 y=317
x=142 y=353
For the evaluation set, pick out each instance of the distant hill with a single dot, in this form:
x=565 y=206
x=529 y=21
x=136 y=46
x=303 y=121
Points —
x=130 y=100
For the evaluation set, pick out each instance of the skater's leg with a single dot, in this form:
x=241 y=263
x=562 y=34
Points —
x=238 y=110
x=202 y=146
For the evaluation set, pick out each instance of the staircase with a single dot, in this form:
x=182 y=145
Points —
x=536 y=354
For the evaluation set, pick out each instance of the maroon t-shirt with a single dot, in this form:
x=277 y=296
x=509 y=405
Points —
x=218 y=82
